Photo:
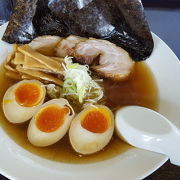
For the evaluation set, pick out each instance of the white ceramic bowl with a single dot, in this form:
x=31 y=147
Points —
x=17 y=163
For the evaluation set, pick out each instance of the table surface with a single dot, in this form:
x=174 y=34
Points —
x=166 y=24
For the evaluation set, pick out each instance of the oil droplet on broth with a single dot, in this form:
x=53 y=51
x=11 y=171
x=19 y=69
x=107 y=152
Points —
x=141 y=90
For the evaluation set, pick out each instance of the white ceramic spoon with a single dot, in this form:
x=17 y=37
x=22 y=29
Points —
x=147 y=129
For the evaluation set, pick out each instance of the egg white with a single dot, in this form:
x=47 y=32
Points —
x=86 y=142
x=40 y=138
x=14 y=112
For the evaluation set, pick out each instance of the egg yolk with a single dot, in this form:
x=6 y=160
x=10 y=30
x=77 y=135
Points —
x=50 y=118
x=28 y=94
x=95 y=121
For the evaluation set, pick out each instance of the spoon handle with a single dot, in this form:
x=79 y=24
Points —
x=171 y=147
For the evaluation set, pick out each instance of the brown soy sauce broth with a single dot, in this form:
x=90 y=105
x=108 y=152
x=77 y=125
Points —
x=140 y=89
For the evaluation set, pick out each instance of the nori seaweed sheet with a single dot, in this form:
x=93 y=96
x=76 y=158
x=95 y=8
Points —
x=20 y=28
x=32 y=18
x=120 y=21
x=46 y=23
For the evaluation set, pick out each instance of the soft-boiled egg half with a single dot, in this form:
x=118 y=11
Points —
x=50 y=123
x=22 y=100
x=92 y=129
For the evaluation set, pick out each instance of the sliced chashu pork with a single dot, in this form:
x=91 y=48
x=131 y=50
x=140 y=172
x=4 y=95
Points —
x=105 y=58
x=66 y=45
x=45 y=44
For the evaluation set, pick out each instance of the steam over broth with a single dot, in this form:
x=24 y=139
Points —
x=140 y=89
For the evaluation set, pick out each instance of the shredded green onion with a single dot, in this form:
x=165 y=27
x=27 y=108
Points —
x=79 y=84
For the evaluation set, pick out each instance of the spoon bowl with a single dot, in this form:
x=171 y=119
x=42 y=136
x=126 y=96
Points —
x=147 y=129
